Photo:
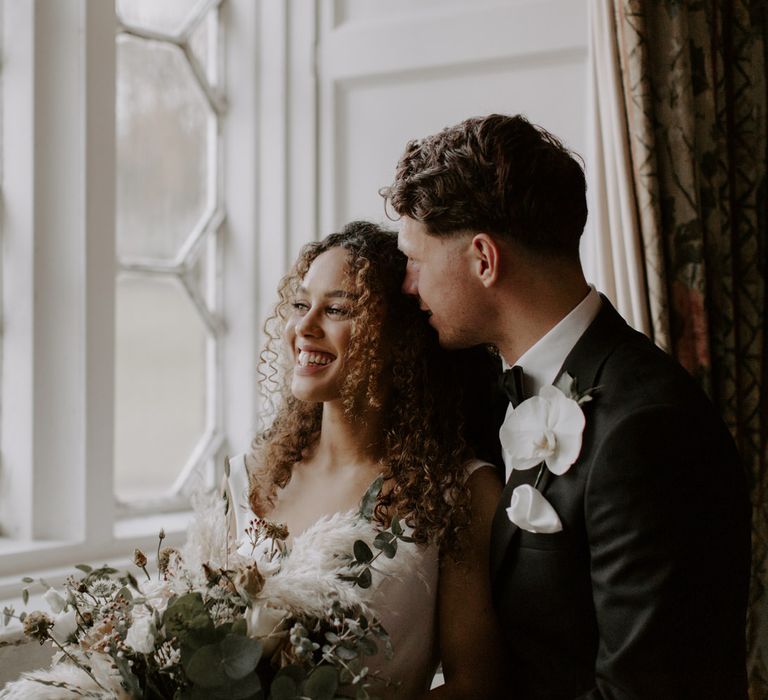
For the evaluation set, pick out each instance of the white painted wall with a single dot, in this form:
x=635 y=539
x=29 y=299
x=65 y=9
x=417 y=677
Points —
x=390 y=72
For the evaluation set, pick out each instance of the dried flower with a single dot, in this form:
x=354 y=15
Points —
x=261 y=528
x=162 y=534
x=165 y=556
x=139 y=558
x=249 y=581
x=36 y=626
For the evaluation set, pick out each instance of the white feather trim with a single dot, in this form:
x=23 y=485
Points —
x=70 y=683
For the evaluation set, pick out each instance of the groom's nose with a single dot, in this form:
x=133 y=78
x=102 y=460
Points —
x=410 y=282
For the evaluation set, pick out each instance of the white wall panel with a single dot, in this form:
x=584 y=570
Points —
x=391 y=72
x=374 y=121
x=367 y=10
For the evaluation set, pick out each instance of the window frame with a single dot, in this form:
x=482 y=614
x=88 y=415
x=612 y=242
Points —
x=58 y=263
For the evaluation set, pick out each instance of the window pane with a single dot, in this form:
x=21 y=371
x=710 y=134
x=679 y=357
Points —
x=162 y=132
x=204 y=44
x=167 y=16
x=160 y=384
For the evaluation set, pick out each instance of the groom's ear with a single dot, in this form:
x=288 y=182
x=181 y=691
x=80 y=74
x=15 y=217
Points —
x=486 y=257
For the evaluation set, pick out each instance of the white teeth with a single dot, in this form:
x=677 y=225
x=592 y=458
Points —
x=313 y=358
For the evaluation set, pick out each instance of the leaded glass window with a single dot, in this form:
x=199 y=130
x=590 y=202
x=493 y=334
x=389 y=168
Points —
x=169 y=112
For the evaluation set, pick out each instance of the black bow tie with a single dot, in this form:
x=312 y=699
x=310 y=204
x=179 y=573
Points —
x=511 y=383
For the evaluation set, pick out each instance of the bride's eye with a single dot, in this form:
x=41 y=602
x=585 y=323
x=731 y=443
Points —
x=300 y=307
x=339 y=311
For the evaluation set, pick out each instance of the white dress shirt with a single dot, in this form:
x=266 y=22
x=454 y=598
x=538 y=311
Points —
x=543 y=360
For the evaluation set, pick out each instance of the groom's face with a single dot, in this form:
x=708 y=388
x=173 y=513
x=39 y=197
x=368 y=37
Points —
x=438 y=275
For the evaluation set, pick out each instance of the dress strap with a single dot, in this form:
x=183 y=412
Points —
x=239 y=486
x=472 y=465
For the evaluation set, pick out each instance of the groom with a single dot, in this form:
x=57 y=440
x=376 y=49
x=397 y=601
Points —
x=620 y=564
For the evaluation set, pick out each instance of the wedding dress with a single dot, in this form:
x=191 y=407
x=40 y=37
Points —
x=406 y=603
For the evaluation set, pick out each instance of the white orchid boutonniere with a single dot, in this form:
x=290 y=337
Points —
x=544 y=430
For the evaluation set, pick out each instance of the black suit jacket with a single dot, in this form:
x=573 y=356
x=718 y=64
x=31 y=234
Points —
x=643 y=593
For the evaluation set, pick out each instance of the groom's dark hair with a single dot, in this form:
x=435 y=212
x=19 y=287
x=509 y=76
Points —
x=497 y=174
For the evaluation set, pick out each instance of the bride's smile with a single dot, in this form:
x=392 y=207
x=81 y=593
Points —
x=319 y=328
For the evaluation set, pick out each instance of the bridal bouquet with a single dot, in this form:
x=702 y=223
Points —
x=211 y=623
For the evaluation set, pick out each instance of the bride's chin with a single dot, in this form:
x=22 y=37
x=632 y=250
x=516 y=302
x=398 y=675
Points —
x=304 y=391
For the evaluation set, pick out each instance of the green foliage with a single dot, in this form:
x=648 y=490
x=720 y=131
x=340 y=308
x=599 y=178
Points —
x=322 y=683
x=362 y=552
x=292 y=683
x=129 y=678
x=227 y=668
x=368 y=504
x=187 y=619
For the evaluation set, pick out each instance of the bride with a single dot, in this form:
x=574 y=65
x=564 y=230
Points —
x=366 y=391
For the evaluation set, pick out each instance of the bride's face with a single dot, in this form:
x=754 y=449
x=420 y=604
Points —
x=319 y=328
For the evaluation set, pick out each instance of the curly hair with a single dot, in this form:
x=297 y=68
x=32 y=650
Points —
x=396 y=366
x=497 y=174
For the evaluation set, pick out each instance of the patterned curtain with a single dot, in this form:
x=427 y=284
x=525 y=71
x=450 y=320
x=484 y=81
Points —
x=694 y=80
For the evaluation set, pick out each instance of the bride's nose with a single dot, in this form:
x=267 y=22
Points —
x=308 y=325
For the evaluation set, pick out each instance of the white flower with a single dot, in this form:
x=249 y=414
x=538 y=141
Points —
x=55 y=600
x=265 y=624
x=156 y=593
x=64 y=625
x=545 y=428
x=530 y=511
x=141 y=635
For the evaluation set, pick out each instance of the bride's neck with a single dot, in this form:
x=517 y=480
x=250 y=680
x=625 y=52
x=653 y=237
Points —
x=346 y=440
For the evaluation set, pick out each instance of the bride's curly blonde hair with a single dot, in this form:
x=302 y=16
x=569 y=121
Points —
x=394 y=365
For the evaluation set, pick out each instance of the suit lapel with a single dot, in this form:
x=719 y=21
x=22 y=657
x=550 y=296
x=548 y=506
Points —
x=584 y=363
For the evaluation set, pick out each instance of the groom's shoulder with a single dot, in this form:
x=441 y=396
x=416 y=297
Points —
x=636 y=372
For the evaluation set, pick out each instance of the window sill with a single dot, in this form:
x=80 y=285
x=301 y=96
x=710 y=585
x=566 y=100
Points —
x=54 y=560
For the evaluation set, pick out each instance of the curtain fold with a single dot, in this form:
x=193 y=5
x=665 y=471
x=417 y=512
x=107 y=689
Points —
x=693 y=78
x=612 y=249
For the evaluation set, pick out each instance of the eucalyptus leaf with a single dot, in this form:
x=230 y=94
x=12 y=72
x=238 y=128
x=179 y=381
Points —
x=223 y=630
x=396 y=527
x=368 y=504
x=27 y=579
x=84 y=568
x=240 y=655
x=187 y=619
x=240 y=626
x=364 y=579
x=362 y=552
x=322 y=683
x=7 y=614
x=25 y=595
x=387 y=543
x=368 y=646
x=22 y=617
x=346 y=653
x=284 y=688
x=296 y=673
x=247 y=687
x=206 y=667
